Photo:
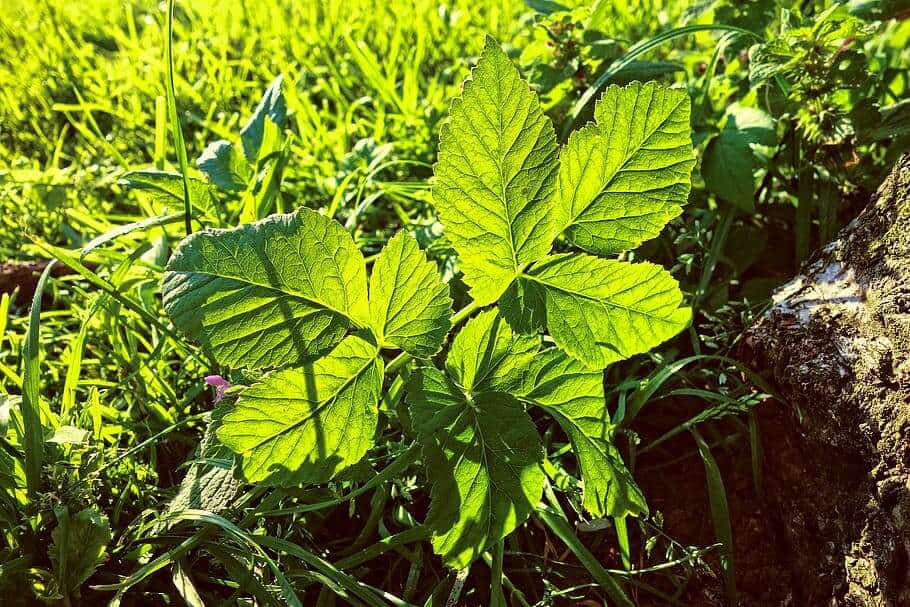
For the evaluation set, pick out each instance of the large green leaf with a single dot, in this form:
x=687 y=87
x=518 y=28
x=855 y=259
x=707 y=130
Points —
x=269 y=293
x=410 y=307
x=306 y=424
x=483 y=455
x=601 y=311
x=574 y=396
x=731 y=160
x=495 y=176
x=487 y=356
x=622 y=179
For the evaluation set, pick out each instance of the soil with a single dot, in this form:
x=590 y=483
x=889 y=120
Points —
x=830 y=526
x=24 y=276
x=763 y=572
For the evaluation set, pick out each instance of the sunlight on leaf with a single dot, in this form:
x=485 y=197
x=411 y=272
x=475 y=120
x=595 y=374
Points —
x=409 y=304
x=306 y=424
x=622 y=179
x=495 y=176
x=270 y=293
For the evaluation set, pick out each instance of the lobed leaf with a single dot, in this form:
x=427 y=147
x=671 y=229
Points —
x=487 y=356
x=495 y=176
x=484 y=457
x=267 y=294
x=306 y=424
x=410 y=307
x=624 y=177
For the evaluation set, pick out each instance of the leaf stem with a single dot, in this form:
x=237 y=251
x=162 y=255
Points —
x=497 y=598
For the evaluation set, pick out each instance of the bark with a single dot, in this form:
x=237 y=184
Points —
x=836 y=344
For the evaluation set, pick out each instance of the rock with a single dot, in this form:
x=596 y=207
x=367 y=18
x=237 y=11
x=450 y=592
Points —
x=836 y=344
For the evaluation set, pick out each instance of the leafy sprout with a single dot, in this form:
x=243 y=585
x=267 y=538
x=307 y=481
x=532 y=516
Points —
x=291 y=293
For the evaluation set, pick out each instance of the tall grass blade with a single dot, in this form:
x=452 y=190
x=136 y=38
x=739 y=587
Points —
x=720 y=514
x=5 y=301
x=175 y=119
x=235 y=532
x=558 y=525
x=33 y=441
x=322 y=567
x=633 y=53
x=122 y=230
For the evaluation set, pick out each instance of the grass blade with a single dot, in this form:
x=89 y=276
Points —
x=558 y=525
x=414 y=534
x=33 y=441
x=756 y=451
x=77 y=347
x=633 y=53
x=720 y=514
x=175 y=119
x=232 y=530
x=5 y=301
x=723 y=406
x=399 y=465
x=184 y=585
x=69 y=259
x=119 y=231
x=321 y=566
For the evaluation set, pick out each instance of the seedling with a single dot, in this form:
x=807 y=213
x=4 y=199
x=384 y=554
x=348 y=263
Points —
x=536 y=230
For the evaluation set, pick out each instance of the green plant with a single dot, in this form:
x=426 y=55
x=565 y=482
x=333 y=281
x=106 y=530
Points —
x=289 y=295
x=249 y=170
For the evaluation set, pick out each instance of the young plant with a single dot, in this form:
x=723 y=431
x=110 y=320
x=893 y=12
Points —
x=249 y=169
x=289 y=295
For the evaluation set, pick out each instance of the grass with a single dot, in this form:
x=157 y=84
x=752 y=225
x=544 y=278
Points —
x=85 y=96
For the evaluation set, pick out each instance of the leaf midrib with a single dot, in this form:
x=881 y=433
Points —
x=609 y=181
x=273 y=289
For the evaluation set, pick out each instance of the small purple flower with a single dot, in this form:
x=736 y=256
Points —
x=221 y=385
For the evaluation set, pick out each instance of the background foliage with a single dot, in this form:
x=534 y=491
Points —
x=798 y=111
